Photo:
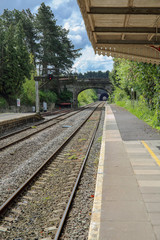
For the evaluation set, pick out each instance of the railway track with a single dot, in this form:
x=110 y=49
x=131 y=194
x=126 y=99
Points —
x=18 y=162
x=23 y=134
x=41 y=122
x=50 y=187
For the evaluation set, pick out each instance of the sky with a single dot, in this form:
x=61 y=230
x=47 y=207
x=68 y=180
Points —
x=68 y=15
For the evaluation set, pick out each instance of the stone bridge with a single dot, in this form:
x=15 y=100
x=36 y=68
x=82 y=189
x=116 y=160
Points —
x=76 y=86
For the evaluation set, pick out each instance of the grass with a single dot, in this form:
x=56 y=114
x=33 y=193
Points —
x=96 y=161
x=73 y=157
x=140 y=110
x=46 y=198
x=100 y=139
x=82 y=139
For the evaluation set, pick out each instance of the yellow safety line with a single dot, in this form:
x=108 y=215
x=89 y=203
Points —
x=151 y=152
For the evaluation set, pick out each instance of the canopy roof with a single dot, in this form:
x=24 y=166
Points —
x=124 y=28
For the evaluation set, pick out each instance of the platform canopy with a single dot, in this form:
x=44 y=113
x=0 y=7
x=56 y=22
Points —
x=127 y=29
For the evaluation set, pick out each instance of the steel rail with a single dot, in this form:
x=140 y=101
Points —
x=40 y=130
x=59 y=230
x=8 y=202
x=41 y=123
x=24 y=129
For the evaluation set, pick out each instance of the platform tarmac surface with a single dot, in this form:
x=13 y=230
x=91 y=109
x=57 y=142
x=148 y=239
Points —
x=10 y=116
x=127 y=196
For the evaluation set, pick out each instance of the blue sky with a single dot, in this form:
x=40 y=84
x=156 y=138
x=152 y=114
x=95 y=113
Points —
x=68 y=15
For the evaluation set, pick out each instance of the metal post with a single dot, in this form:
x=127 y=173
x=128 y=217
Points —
x=132 y=97
x=37 y=97
x=75 y=105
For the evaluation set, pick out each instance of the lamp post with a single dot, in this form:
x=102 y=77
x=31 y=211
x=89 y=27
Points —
x=48 y=77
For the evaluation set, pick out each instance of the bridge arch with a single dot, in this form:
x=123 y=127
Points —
x=76 y=86
x=100 y=95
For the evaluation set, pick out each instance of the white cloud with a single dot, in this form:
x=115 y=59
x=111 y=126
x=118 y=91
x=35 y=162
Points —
x=56 y=3
x=74 y=23
x=88 y=61
x=75 y=38
x=77 y=31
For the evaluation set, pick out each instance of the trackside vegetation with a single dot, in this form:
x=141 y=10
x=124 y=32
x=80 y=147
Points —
x=29 y=42
x=87 y=96
x=137 y=88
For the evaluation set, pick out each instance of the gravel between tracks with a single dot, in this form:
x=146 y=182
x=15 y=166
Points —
x=77 y=225
x=20 y=161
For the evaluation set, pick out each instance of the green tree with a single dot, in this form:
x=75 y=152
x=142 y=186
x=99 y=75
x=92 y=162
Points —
x=16 y=63
x=87 y=96
x=143 y=78
x=55 y=49
x=28 y=23
x=66 y=54
x=48 y=37
x=30 y=33
x=93 y=74
x=24 y=34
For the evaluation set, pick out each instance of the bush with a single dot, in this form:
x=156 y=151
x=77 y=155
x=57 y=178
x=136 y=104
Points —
x=139 y=108
x=120 y=95
x=47 y=96
x=66 y=95
x=28 y=95
x=3 y=103
x=86 y=97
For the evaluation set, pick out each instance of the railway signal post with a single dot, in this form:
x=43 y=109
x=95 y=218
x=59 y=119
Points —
x=37 y=93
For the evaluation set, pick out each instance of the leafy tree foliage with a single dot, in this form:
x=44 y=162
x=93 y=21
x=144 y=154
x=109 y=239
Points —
x=93 y=75
x=28 y=94
x=138 y=80
x=66 y=95
x=15 y=62
x=48 y=96
x=22 y=35
x=55 y=48
x=47 y=36
x=87 y=96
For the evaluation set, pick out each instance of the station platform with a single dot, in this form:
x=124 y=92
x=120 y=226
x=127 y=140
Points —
x=127 y=196
x=9 y=121
x=10 y=116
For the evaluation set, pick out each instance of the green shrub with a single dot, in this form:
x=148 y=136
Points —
x=120 y=95
x=66 y=95
x=47 y=96
x=3 y=103
x=87 y=96
x=28 y=95
x=140 y=109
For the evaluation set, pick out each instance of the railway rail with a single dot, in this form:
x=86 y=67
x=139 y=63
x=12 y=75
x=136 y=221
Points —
x=60 y=171
x=21 y=160
x=22 y=134
x=24 y=128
